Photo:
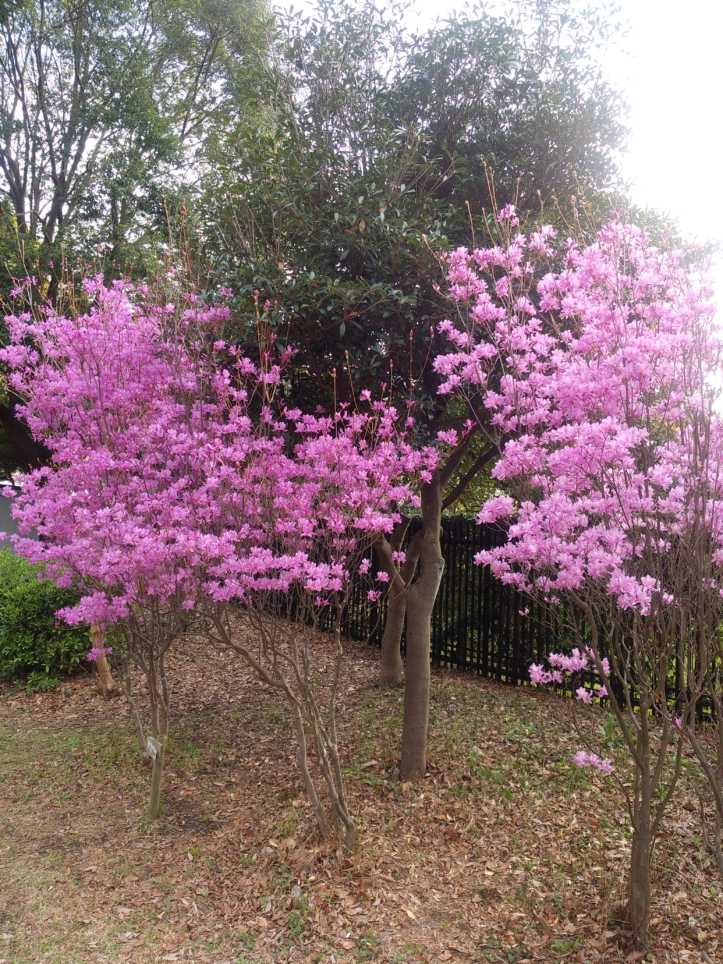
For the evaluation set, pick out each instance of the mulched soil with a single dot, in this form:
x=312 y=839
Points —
x=506 y=852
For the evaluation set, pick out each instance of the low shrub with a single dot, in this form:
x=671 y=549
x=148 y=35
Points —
x=35 y=646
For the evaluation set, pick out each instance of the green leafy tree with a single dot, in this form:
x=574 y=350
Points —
x=105 y=108
x=376 y=150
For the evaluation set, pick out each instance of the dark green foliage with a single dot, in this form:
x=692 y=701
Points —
x=36 y=646
x=375 y=153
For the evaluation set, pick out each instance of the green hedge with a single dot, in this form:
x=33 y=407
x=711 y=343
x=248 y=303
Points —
x=35 y=646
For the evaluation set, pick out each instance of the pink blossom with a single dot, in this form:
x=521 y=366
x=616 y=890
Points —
x=570 y=422
x=496 y=508
x=97 y=651
x=508 y=213
x=170 y=477
x=537 y=674
x=584 y=759
x=448 y=437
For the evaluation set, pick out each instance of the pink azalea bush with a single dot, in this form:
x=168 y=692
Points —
x=180 y=486
x=594 y=368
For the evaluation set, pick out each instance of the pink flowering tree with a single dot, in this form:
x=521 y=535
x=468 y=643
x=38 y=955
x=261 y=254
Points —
x=285 y=527
x=181 y=487
x=596 y=367
x=326 y=489
x=115 y=396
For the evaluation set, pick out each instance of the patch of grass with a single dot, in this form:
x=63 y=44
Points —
x=563 y=946
x=182 y=750
x=247 y=941
x=297 y=918
x=276 y=714
x=286 y=826
x=367 y=946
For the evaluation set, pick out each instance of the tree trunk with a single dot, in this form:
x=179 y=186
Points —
x=421 y=597
x=639 y=899
x=105 y=679
x=154 y=804
x=133 y=708
x=303 y=764
x=390 y=669
x=639 y=895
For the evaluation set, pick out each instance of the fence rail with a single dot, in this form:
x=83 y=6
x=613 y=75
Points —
x=480 y=625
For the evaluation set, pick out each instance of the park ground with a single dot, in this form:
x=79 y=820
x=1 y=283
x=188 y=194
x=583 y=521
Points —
x=505 y=853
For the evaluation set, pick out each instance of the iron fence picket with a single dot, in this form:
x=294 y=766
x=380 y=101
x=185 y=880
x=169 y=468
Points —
x=479 y=625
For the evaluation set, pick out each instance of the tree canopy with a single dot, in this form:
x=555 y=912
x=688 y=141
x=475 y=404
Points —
x=102 y=108
x=379 y=147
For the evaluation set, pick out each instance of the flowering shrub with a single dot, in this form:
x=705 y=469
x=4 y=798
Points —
x=181 y=484
x=594 y=368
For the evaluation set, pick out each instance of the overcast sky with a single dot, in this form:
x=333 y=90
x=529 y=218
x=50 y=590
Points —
x=673 y=75
x=671 y=66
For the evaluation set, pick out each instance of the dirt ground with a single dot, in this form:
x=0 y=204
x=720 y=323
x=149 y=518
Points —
x=506 y=853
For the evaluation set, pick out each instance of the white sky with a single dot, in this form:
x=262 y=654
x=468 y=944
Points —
x=671 y=66
x=673 y=75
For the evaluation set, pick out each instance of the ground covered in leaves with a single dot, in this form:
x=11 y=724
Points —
x=506 y=853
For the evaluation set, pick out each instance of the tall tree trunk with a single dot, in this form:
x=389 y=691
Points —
x=390 y=668
x=421 y=596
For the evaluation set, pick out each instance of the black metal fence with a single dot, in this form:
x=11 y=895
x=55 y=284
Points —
x=478 y=624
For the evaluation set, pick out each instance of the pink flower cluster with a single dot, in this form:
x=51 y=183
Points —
x=97 y=651
x=584 y=759
x=577 y=662
x=593 y=377
x=178 y=474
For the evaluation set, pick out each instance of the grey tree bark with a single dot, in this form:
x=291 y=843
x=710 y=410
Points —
x=390 y=667
x=412 y=595
x=421 y=596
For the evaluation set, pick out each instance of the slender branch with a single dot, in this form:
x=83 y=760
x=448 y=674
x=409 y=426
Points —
x=460 y=488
